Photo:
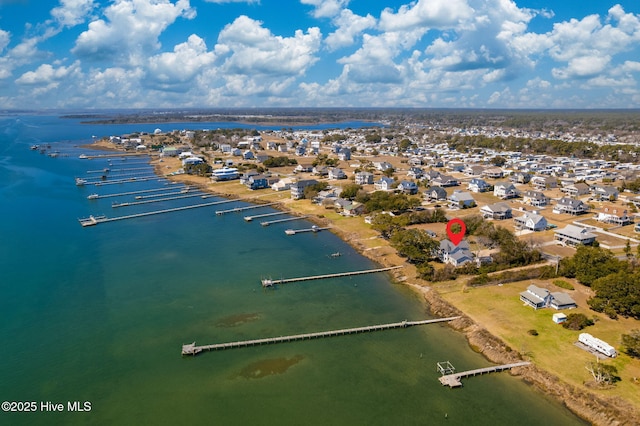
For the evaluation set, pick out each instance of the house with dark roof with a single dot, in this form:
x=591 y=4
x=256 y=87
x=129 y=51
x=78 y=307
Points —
x=535 y=198
x=384 y=184
x=408 y=187
x=570 y=206
x=573 y=235
x=297 y=188
x=576 y=189
x=436 y=193
x=444 y=180
x=544 y=182
x=539 y=298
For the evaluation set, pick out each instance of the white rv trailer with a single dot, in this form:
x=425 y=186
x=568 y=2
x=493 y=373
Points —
x=597 y=344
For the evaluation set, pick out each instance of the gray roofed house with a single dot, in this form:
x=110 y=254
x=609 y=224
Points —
x=535 y=198
x=560 y=300
x=604 y=192
x=444 y=180
x=297 y=188
x=573 y=235
x=496 y=211
x=576 y=189
x=436 y=193
x=505 y=190
x=455 y=255
x=459 y=199
x=364 y=178
x=478 y=185
x=536 y=297
x=570 y=206
x=531 y=221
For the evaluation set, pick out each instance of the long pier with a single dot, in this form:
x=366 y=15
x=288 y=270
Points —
x=158 y=200
x=258 y=216
x=314 y=228
x=240 y=209
x=127 y=180
x=193 y=349
x=267 y=282
x=121 y=194
x=287 y=219
x=95 y=220
x=453 y=380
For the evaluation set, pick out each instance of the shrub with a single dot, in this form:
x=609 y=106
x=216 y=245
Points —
x=533 y=332
x=563 y=284
x=577 y=322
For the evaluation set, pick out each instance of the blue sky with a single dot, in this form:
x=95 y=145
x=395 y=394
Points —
x=310 y=53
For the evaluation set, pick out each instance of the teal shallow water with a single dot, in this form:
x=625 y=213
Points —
x=99 y=314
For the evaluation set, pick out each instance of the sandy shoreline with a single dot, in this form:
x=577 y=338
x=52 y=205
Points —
x=591 y=407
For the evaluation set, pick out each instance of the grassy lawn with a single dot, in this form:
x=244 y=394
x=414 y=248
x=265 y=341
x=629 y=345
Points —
x=500 y=311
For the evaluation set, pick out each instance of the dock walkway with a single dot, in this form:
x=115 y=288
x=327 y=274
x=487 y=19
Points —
x=453 y=380
x=267 y=282
x=240 y=209
x=286 y=219
x=95 y=220
x=193 y=349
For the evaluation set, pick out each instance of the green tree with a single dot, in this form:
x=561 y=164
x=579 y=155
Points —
x=631 y=343
x=350 y=191
x=617 y=294
x=590 y=263
x=414 y=244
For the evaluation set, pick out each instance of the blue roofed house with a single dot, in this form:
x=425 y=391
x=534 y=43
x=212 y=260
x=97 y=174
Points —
x=478 y=185
x=384 y=184
x=455 y=255
x=408 y=187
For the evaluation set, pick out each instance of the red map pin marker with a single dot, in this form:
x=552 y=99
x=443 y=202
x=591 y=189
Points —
x=456 y=237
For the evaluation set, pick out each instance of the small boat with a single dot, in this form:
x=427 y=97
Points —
x=336 y=254
x=35 y=147
x=92 y=197
x=82 y=156
x=290 y=232
x=80 y=181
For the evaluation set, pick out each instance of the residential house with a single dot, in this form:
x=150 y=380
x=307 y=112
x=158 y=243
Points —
x=611 y=213
x=344 y=154
x=474 y=170
x=604 y=192
x=408 y=187
x=478 y=185
x=444 y=180
x=461 y=200
x=570 y=206
x=539 y=298
x=297 y=188
x=505 y=190
x=573 y=235
x=248 y=155
x=544 y=182
x=320 y=171
x=244 y=179
x=536 y=297
x=430 y=175
x=493 y=173
x=436 y=193
x=531 y=221
x=258 y=182
x=520 y=177
x=497 y=211
x=303 y=168
x=225 y=173
x=415 y=173
x=455 y=255
x=364 y=178
x=384 y=184
x=336 y=173
x=282 y=185
x=382 y=166
x=576 y=189
x=535 y=198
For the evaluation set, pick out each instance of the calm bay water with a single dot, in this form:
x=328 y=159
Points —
x=99 y=314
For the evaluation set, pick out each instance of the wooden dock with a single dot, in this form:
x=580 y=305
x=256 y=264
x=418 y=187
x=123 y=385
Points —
x=258 y=216
x=314 y=228
x=286 y=219
x=95 y=220
x=454 y=380
x=193 y=349
x=267 y=282
x=159 y=200
x=241 y=209
x=122 y=194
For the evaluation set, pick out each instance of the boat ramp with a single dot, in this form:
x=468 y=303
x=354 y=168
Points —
x=453 y=380
x=267 y=282
x=193 y=349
